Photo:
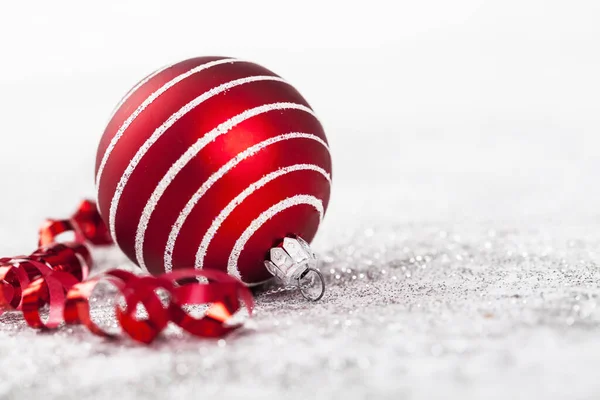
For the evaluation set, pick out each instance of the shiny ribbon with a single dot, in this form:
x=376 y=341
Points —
x=56 y=274
x=86 y=223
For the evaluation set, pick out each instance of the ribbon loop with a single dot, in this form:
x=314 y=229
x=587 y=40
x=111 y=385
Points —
x=55 y=276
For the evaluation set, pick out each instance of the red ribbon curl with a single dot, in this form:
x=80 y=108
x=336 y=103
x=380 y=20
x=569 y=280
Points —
x=55 y=275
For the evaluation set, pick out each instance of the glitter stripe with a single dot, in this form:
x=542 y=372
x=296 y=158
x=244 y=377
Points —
x=189 y=155
x=212 y=231
x=149 y=101
x=264 y=217
x=109 y=149
x=162 y=129
x=136 y=87
x=218 y=175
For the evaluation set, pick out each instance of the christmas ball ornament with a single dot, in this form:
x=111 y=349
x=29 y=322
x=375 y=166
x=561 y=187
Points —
x=210 y=163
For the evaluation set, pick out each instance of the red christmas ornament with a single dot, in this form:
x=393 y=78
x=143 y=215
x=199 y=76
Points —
x=210 y=162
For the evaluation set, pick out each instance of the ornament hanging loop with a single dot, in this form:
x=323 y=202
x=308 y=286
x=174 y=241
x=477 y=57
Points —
x=295 y=264
x=312 y=285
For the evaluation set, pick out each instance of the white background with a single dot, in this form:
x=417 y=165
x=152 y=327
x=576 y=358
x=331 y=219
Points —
x=422 y=101
x=460 y=129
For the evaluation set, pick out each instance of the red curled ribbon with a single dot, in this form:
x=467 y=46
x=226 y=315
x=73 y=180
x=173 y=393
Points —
x=55 y=276
x=86 y=223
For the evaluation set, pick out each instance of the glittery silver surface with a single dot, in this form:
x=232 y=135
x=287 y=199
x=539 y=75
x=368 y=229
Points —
x=465 y=306
x=469 y=307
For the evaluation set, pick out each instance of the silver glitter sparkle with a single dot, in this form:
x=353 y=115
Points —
x=491 y=316
x=174 y=234
x=218 y=221
x=190 y=154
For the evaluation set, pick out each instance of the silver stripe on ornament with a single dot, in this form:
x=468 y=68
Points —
x=137 y=158
x=190 y=153
x=135 y=89
x=300 y=199
x=239 y=199
x=214 y=178
x=149 y=101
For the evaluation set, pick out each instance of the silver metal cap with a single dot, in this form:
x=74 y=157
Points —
x=295 y=264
